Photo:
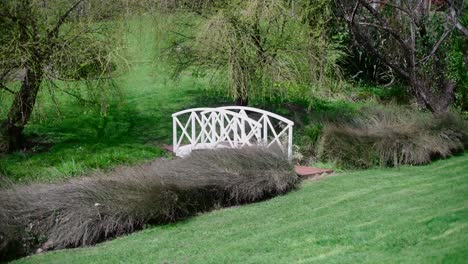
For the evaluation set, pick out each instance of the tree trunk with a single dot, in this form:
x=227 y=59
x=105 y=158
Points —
x=11 y=130
x=437 y=101
x=242 y=85
x=447 y=96
x=242 y=101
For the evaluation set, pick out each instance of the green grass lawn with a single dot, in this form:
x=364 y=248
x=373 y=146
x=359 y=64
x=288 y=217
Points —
x=136 y=125
x=404 y=215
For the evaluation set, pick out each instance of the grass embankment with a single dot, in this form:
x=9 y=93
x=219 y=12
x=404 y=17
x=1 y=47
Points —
x=133 y=127
x=405 y=215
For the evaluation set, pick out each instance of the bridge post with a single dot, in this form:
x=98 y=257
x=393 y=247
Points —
x=236 y=137
x=192 y=123
x=213 y=128
x=174 y=134
x=290 y=142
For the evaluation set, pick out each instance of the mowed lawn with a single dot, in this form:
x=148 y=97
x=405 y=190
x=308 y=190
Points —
x=403 y=215
x=134 y=127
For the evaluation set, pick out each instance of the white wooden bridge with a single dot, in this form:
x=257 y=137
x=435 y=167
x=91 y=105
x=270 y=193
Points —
x=230 y=127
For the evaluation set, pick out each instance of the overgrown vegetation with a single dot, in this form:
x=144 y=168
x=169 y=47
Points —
x=93 y=209
x=392 y=137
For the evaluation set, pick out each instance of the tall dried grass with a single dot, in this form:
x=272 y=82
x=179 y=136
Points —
x=88 y=210
x=392 y=137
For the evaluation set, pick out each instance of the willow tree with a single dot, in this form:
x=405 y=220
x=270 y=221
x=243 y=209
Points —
x=264 y=48
x=44 y=42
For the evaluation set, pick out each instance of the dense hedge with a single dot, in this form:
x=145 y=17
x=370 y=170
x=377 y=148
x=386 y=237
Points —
x=88 y=210
x=392 y=137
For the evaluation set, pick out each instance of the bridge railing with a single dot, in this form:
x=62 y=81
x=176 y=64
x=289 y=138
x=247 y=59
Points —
x=231 y=126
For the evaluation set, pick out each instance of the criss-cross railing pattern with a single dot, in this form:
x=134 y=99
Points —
x=231 y=126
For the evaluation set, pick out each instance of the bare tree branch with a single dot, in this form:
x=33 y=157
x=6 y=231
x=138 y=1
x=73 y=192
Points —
x=386 y=3
x=79 y=98
x=408 y=33
x=453 y=15
x=375 y=26
x=2 y=86
x=436 y=46
x=385 y=23
x=182 y=35
x=54 y=31
x=353 y=15
x=461 y=28
x=367 y=42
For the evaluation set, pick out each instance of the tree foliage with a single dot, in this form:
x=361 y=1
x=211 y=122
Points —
x=43 y=42
x=265 y=48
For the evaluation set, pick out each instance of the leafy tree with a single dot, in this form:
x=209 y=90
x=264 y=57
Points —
x=412 y=38
x=326 y=49
x=265 y=48
x=42 y=42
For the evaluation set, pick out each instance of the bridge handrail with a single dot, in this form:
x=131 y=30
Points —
x=233 y=114
x=261 y=111
x=203 y=114
x=199 y=109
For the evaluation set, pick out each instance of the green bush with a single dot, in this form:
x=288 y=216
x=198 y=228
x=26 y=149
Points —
x=92 y=209
x=396 y=93
x=392 y=137
x=309 y=124
x=308 y=139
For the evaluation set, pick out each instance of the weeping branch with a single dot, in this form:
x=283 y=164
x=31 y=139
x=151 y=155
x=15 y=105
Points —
x=2 y=86
x=53 y=33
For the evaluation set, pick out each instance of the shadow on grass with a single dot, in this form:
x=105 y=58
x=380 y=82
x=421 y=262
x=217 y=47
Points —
x=83 y=141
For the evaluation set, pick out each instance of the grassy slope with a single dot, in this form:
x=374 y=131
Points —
x=136 y=126
x=410 y=215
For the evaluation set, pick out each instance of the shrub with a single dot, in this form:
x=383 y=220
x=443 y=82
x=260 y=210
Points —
x=321 y=113
x=396 y=93
x=92 y=209
x=307 y=140
x=392 y=137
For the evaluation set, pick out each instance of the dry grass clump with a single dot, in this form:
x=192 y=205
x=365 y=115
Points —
x=88 y=210
x=392 y=137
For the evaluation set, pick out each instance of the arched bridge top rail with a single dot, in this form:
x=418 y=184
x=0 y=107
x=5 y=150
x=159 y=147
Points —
x=229 y=126
x=228 y=112
x=208 y=112
x=200 y=109
x=260 y=111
